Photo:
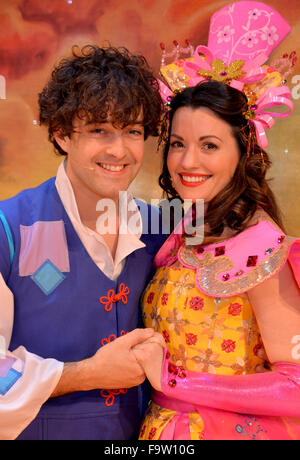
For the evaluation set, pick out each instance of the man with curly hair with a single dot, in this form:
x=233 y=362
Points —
x=69 y=312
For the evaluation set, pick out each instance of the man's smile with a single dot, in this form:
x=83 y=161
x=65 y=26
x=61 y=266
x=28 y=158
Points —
x=115 y=168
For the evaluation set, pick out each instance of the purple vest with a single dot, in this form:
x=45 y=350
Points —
x=58 y=313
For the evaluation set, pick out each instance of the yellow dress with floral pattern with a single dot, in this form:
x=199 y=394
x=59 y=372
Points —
x=202 y=333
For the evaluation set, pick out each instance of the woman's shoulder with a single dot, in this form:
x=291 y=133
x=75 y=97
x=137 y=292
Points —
x=240 y=262
x=262 y=216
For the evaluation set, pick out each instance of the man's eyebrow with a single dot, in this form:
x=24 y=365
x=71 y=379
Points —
x=96 y=122
x=109 y=121
x=136 y=123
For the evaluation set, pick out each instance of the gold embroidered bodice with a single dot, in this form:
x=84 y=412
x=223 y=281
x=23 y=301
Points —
x=204 y=334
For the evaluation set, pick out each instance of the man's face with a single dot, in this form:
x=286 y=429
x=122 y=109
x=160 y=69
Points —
x=103 y=159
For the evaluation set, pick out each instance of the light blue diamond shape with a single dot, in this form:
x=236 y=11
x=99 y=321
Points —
x=48 y=277
x=7 y=382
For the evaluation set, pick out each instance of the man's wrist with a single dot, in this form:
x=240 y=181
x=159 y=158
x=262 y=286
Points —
x=76 y=376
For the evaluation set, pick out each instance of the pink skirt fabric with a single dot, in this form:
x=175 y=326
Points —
x=224 y=425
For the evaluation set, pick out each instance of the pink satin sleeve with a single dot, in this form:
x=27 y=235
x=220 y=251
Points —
x=275 y=393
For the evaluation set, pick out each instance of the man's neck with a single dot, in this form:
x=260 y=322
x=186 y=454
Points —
x=98 y=218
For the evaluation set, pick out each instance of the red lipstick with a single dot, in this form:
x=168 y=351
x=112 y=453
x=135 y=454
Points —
x=193 y=183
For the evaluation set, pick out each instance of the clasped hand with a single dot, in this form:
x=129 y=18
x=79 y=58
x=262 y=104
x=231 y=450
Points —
x=149 y=354
x=126 y=361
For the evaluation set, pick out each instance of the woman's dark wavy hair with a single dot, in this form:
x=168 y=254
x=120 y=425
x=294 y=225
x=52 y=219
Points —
x=236 y=204
x=96 y=82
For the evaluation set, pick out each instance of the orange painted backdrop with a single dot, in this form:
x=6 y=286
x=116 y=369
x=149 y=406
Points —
x=34 y=34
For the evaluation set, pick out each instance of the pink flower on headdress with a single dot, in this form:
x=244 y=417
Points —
x=270 y=35
x=250 y=39
x=225 y=34
x=254 y=14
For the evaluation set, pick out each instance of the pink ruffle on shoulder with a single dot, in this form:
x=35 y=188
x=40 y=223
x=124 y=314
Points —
x=237 y=264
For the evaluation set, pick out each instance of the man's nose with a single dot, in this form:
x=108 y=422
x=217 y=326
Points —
x=116 y=146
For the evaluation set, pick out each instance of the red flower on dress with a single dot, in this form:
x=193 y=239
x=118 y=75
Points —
x=259 y=351
x=152 y=433
x=142 y=432
x=196 y=303
x=150 y=297
x=228 y=345
x=164 y=299
x=191 y=339
x=201 y=436
x=256 y=349
x=166 y=336
x=234 y=309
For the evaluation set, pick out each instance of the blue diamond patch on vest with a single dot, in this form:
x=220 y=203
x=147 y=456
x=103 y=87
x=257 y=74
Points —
x=9 y=380
x=48 y=277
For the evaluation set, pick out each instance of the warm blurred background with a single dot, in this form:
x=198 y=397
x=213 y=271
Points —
x=37 y=33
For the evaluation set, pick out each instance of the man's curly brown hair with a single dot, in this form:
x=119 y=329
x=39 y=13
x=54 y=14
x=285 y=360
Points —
x=97 y=83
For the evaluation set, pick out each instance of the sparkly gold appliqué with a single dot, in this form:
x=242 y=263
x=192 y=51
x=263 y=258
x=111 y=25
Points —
x=188 y=256
x=222 y=73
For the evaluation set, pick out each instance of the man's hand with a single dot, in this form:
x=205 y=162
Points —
x=150 y=354
x=113 y=366
x=121 y=369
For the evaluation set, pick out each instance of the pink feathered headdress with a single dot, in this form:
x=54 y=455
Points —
x=242 y=36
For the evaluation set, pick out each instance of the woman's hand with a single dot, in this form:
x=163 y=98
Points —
x=149 y=355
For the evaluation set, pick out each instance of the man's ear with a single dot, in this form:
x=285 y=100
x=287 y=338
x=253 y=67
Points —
x=63 y=141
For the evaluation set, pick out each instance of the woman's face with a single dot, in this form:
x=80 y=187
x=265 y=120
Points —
x=203 y=154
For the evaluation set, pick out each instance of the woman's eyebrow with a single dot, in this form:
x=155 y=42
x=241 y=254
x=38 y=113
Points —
x=176 y=135
x=200 y=138
x=209 y=136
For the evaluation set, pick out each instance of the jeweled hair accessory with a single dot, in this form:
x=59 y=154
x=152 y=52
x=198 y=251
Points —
x=242 y=36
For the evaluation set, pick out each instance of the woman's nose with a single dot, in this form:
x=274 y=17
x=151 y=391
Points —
x=191 y=158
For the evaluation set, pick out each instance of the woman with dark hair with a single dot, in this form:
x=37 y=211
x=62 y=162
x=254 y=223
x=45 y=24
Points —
x=228 y=306
x=248 y=189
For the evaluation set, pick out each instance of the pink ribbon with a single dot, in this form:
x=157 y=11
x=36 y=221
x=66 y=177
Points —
x=165 y=92
x=273 y=97
x=253 y=70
